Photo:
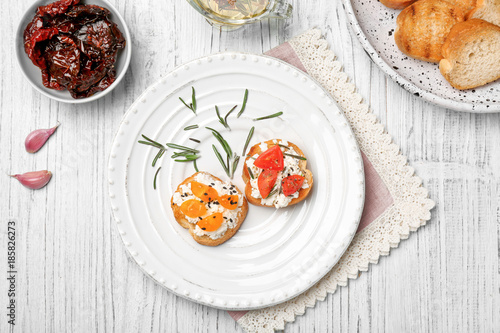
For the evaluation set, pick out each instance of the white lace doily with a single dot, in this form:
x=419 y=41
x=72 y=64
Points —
x=410 y=209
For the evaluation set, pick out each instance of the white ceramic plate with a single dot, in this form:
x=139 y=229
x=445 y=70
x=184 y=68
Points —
x=33 y=74
x=276 y=254
x=374 y=25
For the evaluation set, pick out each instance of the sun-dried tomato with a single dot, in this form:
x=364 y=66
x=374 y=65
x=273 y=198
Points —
x=75 y=46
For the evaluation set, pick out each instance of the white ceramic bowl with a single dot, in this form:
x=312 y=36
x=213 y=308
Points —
x=33 y=73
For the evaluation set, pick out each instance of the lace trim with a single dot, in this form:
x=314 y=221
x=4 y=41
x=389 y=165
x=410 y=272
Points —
x=410 y=209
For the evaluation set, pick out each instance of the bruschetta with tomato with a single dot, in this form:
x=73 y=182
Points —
x=212 y=210
x=276 y=174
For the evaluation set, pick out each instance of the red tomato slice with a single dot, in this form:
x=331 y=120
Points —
x=270 y=159
x=266 y=181
x=292 y=184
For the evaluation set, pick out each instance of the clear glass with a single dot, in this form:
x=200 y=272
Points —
x=232 y=14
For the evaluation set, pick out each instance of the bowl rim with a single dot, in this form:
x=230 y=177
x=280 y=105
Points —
x=45 y=91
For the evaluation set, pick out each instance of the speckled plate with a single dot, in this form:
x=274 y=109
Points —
x=276 y=254
x=374 y=25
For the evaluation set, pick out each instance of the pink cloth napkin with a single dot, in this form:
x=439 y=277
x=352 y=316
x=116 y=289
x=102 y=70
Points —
x=378 y=197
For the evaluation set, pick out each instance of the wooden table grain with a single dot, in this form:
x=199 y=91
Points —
x=74 y=274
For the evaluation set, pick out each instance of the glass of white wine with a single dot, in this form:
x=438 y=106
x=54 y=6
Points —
x=232 y=14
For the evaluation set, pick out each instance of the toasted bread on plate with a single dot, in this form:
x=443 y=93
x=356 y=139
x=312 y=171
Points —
x=292 y=166
x=471 y=54
x=423 y=26
x=467 y=5
x=488 y=10
x=231 y=218
x=397 y=4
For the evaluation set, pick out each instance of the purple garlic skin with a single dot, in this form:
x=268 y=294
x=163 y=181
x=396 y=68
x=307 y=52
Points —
x=34 y=180
x=36 y=139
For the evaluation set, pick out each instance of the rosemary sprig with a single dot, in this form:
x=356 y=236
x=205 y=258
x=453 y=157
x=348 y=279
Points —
x=189 y=158
x=195 y=166
x=227 y=115
x=222 y=141
x=296 y=156
x=221 y=120
x=179 y=147
x=236 y=160
x=249 y=137
x=151 y=142
x=156 y=175
x=192 y=105
x=232 y=161
x=158 y=156
x=219 y=157
x=274 y=115
x=193 y=99
x=155 y=144
x=250 y=172
x=191 y=127
x=183 y=153
x=245 y=98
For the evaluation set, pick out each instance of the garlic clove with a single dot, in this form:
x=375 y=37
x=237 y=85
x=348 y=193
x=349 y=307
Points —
x=34 y=180
x=36 y=139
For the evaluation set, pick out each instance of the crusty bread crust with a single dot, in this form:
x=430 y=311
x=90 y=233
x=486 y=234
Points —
x=303 y=193
x=423 y=26
x=488 y=10
x=397 y=4
x=206 y=240
x=461 y=35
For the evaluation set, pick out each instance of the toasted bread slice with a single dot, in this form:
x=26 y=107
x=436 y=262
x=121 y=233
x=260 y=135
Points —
x=302 y=164
x=423 y=26
x=467 y=5
x=206 y=239
x=471 y=54
x=397 y=4
x=488 y=10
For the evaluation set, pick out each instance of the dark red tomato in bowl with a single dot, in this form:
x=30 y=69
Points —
x=76 y=46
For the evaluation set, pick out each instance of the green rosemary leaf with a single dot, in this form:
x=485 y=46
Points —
x=189 y=158
x=190 y=107
x=221 y=140
x=158 y=156
x=191 y=127
x=274 y=115
x=236 y=160
x=193 y=99
x=183 y=154
x=156 y=144
x=219 y=157
x=195 y=166
x=175 y=146
x=156 y=175
x=249 y=137
x=147 y=143
x=245 y=98
x=250 y=172
x=250 y=156
x=227 y=115
x=221 y=120
x=296 y=156
x=283 y=146
x=273 y=192
x=195 y=140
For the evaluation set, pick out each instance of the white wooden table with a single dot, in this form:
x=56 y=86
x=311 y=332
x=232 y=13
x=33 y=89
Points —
x=74 y=274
